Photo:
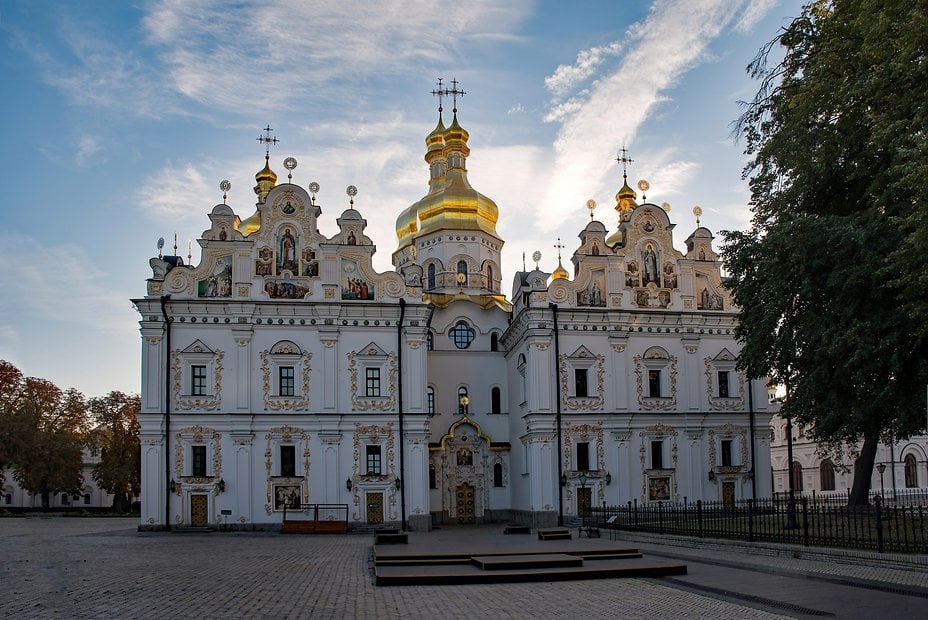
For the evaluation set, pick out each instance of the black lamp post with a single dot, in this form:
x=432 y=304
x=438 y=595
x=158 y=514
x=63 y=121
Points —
x=881 y=467
x=348 y=484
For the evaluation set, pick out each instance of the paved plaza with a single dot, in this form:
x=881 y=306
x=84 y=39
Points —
x=103 y=568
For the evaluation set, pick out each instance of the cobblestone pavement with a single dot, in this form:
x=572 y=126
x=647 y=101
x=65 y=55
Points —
x=103 y=568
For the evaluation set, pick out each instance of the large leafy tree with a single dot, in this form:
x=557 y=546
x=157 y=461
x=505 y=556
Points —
x=830 y=275
x=12 y=388
x=116 y=437
x=50 y=436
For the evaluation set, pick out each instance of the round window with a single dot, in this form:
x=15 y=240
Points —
x=461 y=335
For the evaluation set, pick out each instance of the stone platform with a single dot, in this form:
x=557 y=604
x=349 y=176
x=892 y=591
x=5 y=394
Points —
x=484 y=556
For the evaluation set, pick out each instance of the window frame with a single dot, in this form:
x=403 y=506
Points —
x=657 y=449
x=462 y=335
x=372 y=382
x=287 y=463
x=583 y=455
x=199 y=459
x=373 y=462
x=286 y=385
x=198 y=380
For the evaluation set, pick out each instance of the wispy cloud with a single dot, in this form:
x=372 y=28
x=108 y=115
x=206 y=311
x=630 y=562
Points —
x=673 y=38
x=87 y=147
x=566 y=77
x=36 y=275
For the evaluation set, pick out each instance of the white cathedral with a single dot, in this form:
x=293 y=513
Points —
x=284 y=372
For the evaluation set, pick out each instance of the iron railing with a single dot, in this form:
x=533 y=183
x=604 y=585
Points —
x=823 y=522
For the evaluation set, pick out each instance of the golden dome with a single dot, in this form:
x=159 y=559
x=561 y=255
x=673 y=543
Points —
x=435 y=141
x=251 y=224
x=560 y=273
x=451 y=202
x=266 y=179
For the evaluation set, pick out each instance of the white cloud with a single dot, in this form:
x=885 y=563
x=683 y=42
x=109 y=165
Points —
x=672 y=39
x=87 y=147
x=566 y=77
x=37 y=276
x=753 y=13
x=516 y=109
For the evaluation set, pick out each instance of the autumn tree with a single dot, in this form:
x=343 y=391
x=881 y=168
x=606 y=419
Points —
x=116 y=438
x=830 y=277
x=47 y=455
x=12 y=388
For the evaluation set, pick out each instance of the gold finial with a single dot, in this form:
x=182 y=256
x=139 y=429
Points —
x=352 y=191
x=175 y=243
x=225 y=186
x=290 y=164
x=697 y=211
x=267 y=140
x=536 y=256
x=643 y=186
x=313 y=190
x=189 y=251
x=591 y=205
x=558 y=246
x=665 y=206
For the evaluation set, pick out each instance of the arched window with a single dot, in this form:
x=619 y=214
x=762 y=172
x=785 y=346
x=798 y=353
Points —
x=432 y=481
x=461 y=335
x=797 y=476
x=431 y=276
x=430 y=401
x=462 y=394
x=827 y=475
x=490 y=279
x=497 y=474
x=495 y=406
x=429 y=341
x=911 y=471
x=462 y=267
x=494 y=341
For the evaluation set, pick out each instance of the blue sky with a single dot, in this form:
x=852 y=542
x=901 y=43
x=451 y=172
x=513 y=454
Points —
x=119 y=121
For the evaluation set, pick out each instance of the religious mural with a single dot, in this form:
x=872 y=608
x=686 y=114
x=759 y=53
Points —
x=264 y=264
x=709 y=301
x=309 y=266
x=650 y=260
x=285 y=288
x=286 y=495
x=658 y=488
x=592 y=295
x=219 y=283
x=353 y=285
x=287 y=251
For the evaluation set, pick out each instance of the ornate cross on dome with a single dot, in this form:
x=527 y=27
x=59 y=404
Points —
x=267 y=140
x=454 y=92
x=440 y=93
x=624 y=159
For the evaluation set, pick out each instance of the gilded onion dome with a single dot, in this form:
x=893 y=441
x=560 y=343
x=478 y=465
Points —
x=624 y=204
x=560 y=273
x=266 y=179
x=451 y=203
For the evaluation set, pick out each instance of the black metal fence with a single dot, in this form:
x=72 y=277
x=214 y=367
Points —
x=820 y=522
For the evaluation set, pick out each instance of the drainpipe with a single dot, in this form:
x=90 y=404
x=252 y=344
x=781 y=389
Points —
x=167 y=412
x=751 y=414
x=399 y=363
x=557 y=387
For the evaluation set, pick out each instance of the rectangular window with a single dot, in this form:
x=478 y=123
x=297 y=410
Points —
x=430 y=401
x=8 y=498
x=657 y=455
x=432 y=481
x=198 y=457
x=373 y=461
x=583 y=456
x=288 y=461
x=198 y=380
x=654 y=383
x=580 y=386
x=723 y=384
x=726 y=453
x=372 y=384
x=86 y=499
x=286 y=380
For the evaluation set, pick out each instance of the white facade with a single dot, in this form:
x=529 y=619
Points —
x=294 y=372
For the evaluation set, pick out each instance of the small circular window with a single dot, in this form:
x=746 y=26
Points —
x=461 y=335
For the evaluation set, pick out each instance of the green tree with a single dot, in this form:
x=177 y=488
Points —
x=12 y=389
x=48 y=452
x=116 y=438
x=830 y=275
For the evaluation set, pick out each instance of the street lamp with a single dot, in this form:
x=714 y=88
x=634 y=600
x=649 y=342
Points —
x=881 y=467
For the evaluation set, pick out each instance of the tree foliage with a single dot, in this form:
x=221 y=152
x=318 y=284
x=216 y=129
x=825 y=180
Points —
x=830 y=277
x=116 y=438
x=48 y=455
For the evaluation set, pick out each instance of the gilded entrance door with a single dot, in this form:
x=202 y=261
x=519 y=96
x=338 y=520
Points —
x=199 y=510
x=728 y=493
x=374 y=508
x=465 y=497
x=584 y=499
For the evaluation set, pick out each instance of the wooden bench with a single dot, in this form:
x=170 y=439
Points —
x=591 y=531
x=554 y=533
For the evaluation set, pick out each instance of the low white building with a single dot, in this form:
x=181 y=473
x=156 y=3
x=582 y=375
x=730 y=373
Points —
x=283 y=370
x=91 y=495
